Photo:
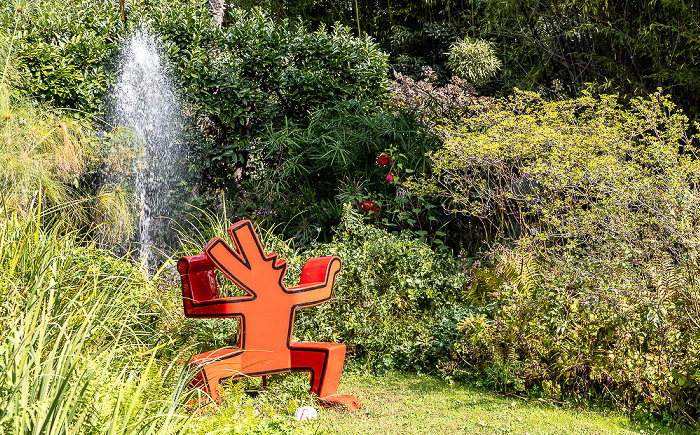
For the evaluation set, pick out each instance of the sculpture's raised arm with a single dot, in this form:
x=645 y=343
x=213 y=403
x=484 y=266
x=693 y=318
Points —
x=316 y=281
x=247 y=265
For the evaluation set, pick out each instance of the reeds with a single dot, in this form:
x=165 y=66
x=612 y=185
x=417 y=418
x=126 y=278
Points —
x=79 y=345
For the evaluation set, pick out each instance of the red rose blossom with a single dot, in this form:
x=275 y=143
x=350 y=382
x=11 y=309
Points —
x=389 y=178
x=368 y=207
x=384 y=160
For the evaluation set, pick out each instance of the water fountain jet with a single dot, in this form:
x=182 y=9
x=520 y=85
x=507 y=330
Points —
x=147 y=102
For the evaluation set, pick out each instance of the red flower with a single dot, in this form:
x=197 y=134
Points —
x=368 y=207
x=389 y=178
x=384 y=160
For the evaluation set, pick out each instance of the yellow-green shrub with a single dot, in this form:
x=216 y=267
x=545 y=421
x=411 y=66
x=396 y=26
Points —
x=582 y=169
x=593 y=214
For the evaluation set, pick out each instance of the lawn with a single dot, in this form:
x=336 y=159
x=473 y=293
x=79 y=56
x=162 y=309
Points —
x=403 y=404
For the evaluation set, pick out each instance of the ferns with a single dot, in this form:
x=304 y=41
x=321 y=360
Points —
x=519 y=268
x=664 y=275
x=514 y=268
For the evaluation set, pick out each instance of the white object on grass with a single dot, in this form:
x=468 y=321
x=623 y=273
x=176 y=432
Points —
x=305 y=413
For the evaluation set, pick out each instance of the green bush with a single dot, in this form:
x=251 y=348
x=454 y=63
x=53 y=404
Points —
x=583 y=170
x=47 y=156
x=618 y=330
x=386 y=298
x=258 y=72
x=303 y=69
x=592 y=215
x=64 y=49
x=67 y=51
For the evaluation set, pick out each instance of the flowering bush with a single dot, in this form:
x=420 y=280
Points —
x=368 y=206
x=432 y=102
x=384 y=159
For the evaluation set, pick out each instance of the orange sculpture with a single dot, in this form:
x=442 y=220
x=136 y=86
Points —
x=266 y=313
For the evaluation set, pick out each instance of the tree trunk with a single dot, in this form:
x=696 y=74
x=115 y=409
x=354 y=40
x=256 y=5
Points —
x=216 y=9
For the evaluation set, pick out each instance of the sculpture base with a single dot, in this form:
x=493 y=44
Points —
x=350 y=403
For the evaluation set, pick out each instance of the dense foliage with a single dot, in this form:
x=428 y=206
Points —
x=581 y=169
x=239 y=80
x=386 y=298
x=577 y=218
x=575 y=326
x=48 y=157
x=631 y=46
x=303 y=172
x=64 y=49
x=598 y=291
x=259 y=72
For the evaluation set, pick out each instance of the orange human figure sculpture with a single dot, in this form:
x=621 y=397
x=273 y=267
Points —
x=266 y=313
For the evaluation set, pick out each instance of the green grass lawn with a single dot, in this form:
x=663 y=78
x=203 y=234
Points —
x=410 y=404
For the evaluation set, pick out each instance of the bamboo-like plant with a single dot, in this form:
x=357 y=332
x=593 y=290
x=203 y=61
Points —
x=474 y=60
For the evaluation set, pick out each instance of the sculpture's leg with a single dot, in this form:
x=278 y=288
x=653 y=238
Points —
x=325 y=362
x=213 y=367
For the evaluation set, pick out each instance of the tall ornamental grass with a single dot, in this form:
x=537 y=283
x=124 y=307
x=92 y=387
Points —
x=50 y=155
x=79 y=344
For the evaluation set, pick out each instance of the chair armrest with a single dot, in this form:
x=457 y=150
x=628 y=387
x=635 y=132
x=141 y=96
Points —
x=315 y=272
x=198 y=280
x=194 y=263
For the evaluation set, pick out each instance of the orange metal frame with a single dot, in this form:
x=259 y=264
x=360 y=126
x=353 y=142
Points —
x=266 y=312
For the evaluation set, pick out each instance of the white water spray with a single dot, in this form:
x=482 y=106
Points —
x=146 y=102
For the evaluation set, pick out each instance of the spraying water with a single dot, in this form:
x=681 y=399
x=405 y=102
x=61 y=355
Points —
x=146 y=101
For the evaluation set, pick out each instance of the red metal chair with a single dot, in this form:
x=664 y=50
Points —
x=266 y=314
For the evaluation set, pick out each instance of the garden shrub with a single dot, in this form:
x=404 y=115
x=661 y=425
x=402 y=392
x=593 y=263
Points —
x=304 y=171
x=48 y=155
x=304 y=69
x=45 y=153
x=63 y=49
x=592 y=215
x=432 y=103
x=618 y=330
x=257 y=71
x=67 y=51
x=385 y=299
x=583 y=170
